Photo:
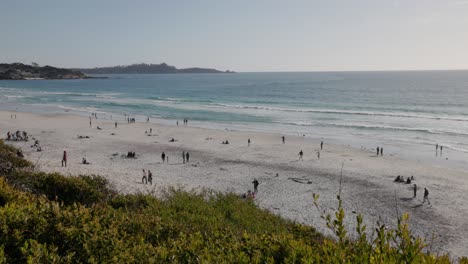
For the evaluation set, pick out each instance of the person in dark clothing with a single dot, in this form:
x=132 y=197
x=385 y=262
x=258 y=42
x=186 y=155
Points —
x=248 y=142
x=321 y=145
x=378 y=151
x=163 y=157
x=64 y=158
x=115 y=124
x=187 y=157
x=283 y=138
x=150 y=177
x=415 y=189
x=255 y=184
x=301 y=154
x=381 y=151
x=426 y=196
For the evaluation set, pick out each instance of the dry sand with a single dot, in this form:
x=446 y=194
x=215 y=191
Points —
x=286 y=184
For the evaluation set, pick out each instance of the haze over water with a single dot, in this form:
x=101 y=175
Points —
x=405 y=112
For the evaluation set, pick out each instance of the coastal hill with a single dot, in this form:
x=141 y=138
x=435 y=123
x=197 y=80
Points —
x=144 y=68
x=20 y=71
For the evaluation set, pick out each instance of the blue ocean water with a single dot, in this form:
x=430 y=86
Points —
x=406 y=112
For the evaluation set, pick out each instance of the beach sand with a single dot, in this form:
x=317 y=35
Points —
x=286 y=184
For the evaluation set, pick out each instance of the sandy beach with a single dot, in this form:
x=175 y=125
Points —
x=286 y=183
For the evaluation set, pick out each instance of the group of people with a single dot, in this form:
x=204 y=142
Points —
x=301 y=153
x=437 y=149
x=415 y=187
x=17 y=136
x=249 y=194
x=37 y=145
x=131 y=120
x=380 y=151
x=402 y=179
x=185 y=122
x=131 y=154
x=147 y=178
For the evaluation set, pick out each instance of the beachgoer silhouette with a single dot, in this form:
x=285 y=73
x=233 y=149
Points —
x=397 y=179
x=143 y=179
x=248 y=142
x=183 y=156
x=381 y=151
x=163 y=157
x=441 y=147
x=151 y=130
x=150 y=177
x=177 y=123
x=437 y=148
x=301 y=154
x=415 y=189
x=64 y=158
x=115 y=124
x=321 y=145
x=283 y=138
x=378 y=151
x=255 y=184
x=318 y=154
x=187 y=156
x=426 y=196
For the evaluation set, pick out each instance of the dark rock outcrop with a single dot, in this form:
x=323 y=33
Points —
x=19 y=71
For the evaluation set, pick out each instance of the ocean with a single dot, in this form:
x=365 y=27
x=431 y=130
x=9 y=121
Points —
x=406 y=112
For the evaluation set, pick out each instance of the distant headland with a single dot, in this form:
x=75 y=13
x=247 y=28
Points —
x=144 y=68
x=20 y=71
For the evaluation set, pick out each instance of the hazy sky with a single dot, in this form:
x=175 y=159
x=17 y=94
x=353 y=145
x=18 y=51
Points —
x=238 y=35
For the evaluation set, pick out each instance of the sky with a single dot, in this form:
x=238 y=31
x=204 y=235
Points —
x=241 y=35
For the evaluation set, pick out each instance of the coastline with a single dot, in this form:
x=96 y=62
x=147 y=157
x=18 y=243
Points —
x=368 y=180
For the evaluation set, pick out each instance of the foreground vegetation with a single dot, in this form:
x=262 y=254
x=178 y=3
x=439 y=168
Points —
x=49 y=218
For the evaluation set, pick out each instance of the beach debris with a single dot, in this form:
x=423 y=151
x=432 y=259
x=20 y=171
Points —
x=223 y=169
x=81 y=137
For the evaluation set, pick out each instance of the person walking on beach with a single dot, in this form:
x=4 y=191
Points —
x=301 y=154
x=426 y=196
x=255 y=184
x=321 y=145
x=318 y=154
x=248 y=142
x=187 y=156
x=415 y=189
x=64 y=158
x=150 y=177
x=115 y=124
x=143 y=179
x=381 y=151
x=441 y=147
x=89 y=121
x=183 y=156
x=283 y=138
x=163 y=157
x=437 y=148
x=378 y=151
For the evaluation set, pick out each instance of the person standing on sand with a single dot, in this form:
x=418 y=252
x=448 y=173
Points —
x=183 y=156
x=441 y=147
x=301 y=154
x=381 y=151
x=437 y=148
x=321 y=145
x=415 y=189
x=283 y=138
x=115 y=124
x=248 y=142
x=318 y=154
x=177 y=123
x=187 y=156
x=378 y=151
x=426 y=196
x=143 y=179
x=163 y=157
x=255 y=184
x=150 y=177
x=64 y=158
